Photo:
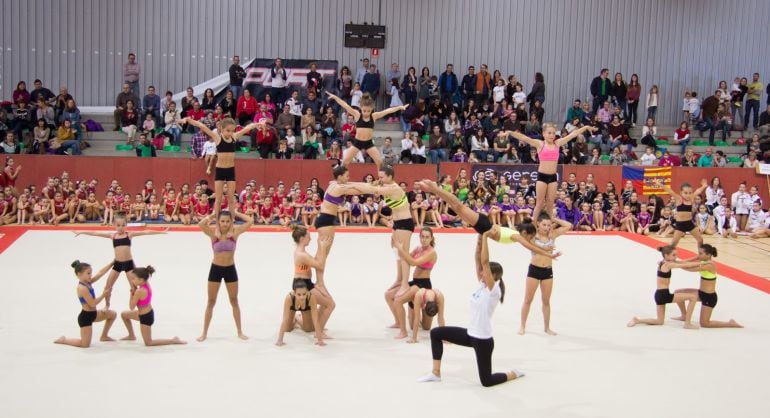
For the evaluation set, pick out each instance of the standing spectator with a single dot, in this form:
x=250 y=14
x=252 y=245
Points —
x=438 y=148
x=764 y=123
x=247 y=108
x=737 y=93
x=618 y=92
x=41 y=92
x=61 y=102
x=229 y=104
x=708 y=115
x=278 y=80
x=129 y=120
x=468 y=84
x=483 y=84
x=151 y=104
x=394 y=72
x=652 y=102
x=362 y=71
x=633 y=93
x=120 y=103
x=21 y=93
x=371 y=83
x=600 y=89
x=131 y=72
x=237 y=74
x=752 y=102
x=409 y=86
x=424 y=81
x=314 y=80
x=538 y=91
x=447 y=85
x=345 y=83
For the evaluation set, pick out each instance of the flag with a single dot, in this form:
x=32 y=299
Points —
x=644 y=178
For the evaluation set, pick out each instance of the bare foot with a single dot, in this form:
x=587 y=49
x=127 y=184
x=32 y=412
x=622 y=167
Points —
x=677 y=318
x=107 y=339
x=690 y=326
x=326 y=336
x=394 y=326
x=550 y=332
x=522 y=331
x=632 y=322
x=176 y=340
x=401 y=335
x=411 y=341
x=128 y=338
x=60 y=340
x=735 y=323
x=243 y=336
x=201 y=339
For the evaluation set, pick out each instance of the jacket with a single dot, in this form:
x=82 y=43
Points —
x=447 y=83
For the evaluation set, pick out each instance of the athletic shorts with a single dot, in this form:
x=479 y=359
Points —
x=540 y=273
x=218 y=273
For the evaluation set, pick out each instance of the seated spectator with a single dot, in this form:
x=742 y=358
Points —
x=389 y=156
x=682 y=136
x=667 y=160
x=579 y=152
x=617 y=157
x=419 y=152
x=23 y=119
x=618 y=135
x=263 y=115
x=151 y=104
x=313 y=103
x=187 y=101
x=329 y=123
x=308 y=119
x=149 y=124
x=648 y=158
x=145 y=147
x=45 y=112
x=285 y=121
x=291 y=140
x=764 y=123
x=349 y=128
x=229 y=104
x=268 y=105
x=42 y=134
x=72 y=114
x=605 y=114
x=65 y=141
x=479 y=145
x=407 y=143
x=707 y=159
x=173 y=127
x=533 y=127
x=265 y=140
x=574 y=112
x=208 y=102
x=164 y=105
x=649 y=134
x=719 y=159
x=284 y=152
x=724 y=121
x=438 y=148
x=596 y=157
x=334 y=152
x=512 y=123
x=41 y=92
x=537 y=110
x=750 y=161
x=61 y=102
x=587 y=115
x=21 y=93
x=247 y=108
x=311 y=148
x=195 y=113
x=689 y=159
x=129 y=120
x=459 y=155
x=10 y=146
x=120 y=104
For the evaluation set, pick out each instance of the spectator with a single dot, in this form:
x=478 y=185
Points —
x=617 y=157
x=708 y=116
x=689 y=159
x=389 y=156
x=345 y=83
x=42 y=134
x=617 y=134
x=45 y=112
x=394 y=72
x=23 y=119
x=61 y=102
x=424 y=80
x=208 y=103
x=313 y=103
x=409 y=86
x=229 y=104
x=605 y=114
x=145 y=147
x=172 y=120
x=151 y=104
x=750 y=161
x=468 y=84
x=371 y=82
x=120 y=103
x=649 y=134
x=285 y=120
x=284 y=152
x=618 y=92
x=724 y=120
x=395 y=99
x=537 y=94
x=574 y=112
x=447 y=85
x=407 y=144
x=295 y=108
x=237 y=74
x=21 y=93
x=579 y=151
x=41 y=92
x=148 y=125
x=129 y=120
x=438 y=147
x=10 y=146
x=633 y=93
x=362 y=71
x=682 y=136
x=483 y=85
x=334 y=152
x=479 y=145
x=308 y=120
x=314 y=79
x=247 y=108
x=418 y=152
x=648 y=158
x=72 y=114
x=278 y=80
x=263 y=115
x=706 y=160
x=329 y=124
x=737 y=93
x=752 y=102
x=311 y=149
x=719 y=159
x=652 y=102
x=187 y=101
x=165 y=103
x=600 y=89
x=265 y=141
x=764 y=123
x=667 y=160
x=131 y=72
x=65 y=141
x=533 y=128
x=501 y=147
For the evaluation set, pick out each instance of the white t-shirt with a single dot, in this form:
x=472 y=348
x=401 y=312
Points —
x=395 y=100
x=209 y=148
x=355 y=99
x=757 y=219
x=741 y=202
x=483 y=304
x=519 y=97
x=291 y=141
x=499 y=92
x=647 y=159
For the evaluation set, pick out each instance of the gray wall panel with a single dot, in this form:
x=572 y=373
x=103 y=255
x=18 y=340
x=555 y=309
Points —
x=675 y=44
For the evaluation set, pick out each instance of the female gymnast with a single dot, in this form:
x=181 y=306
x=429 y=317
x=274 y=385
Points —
x=684 y=218
x=226 y=140
x=364 y=119
x=423 y=258
x=663 y=295
x=479 y=332
x=429 y=302
x=705 y=265
x=121 y=242
x=223 y=239
x=548 y=155
x=481 y=224
x=141 y=310
x=303 y=262
x=88 y=302
x=540 y=273
x=299 y=309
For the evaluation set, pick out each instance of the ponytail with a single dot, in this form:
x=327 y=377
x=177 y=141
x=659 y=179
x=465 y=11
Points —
x=143 y=273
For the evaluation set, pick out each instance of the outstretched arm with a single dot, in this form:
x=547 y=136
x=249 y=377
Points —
x=703 y=186
x=140 y=233
x=356 y=114
x=562 y=141
x=286 y=320
x=202 y=126
x=523 y=138
x=486 y=272
x=93 y=234
x=386 y=112
x=669 y=190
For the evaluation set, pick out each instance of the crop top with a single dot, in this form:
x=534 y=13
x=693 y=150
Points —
x=551 y=154
x=147 y=299
x=90 y=290
x=663 y=275
x=223 y=246
x=120 y=242
x=334 y=200
x=543 y=244
x=396 y=203
x=506 y=235
x=707 y=275
x=225 y=146
x=366 y=124
x=417 y=253
x=682 y=207
x=301 y=268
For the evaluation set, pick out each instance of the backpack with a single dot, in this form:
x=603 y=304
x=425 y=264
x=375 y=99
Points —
x=93 y=126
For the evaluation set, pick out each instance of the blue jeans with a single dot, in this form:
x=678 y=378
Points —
x=708 y=125
x=72 y=145
x=652 y=111
x=684 y=145
x=405 y=126
x=236 y=91
x=176 y=134
x=134 y=89
x=752 y=108
x=724 y=126
x=437 y=155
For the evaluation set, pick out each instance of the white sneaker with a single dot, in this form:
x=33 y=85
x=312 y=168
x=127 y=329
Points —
x=429 y=378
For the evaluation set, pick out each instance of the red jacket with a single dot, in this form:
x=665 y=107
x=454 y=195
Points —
x=265 y=137
x=248 y=107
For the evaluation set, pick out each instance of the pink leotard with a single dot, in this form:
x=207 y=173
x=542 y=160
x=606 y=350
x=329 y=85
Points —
x=147 y=299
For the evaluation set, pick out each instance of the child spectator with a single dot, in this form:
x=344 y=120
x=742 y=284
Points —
x=648 y=158
x=209 y=153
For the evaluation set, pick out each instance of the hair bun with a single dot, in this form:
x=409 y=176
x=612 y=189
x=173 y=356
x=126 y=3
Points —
x=75 y=264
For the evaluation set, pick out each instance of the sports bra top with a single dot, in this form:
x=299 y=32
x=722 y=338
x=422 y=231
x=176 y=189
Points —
x=147 y=299
x=334 y=200
x=417 y=254
x=543 y=244
x=707 y=275
x=119 y=242
x=682 y=207
x=294 y=303
x=223 y=246
x=368 y=124
x=506 y=235
x=90 y=290
x=396 y=203
x=301 y=268
x=663 y=274
x=546 y=154
x=225 y=146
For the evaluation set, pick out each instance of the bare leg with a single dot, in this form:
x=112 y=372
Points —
x=213 y=290
x=111 y=279
x=677 y=236
x=232 y=293
x=529 y=295
x=398 y=306
x=218 y=187
x=232 y=206
x=376 y=157
x=707 y=322
x=127 y=317
x=327 y=306
x=541 y=190
x=83 y=342
x=698 y=237
x=546 y=287
x=390 y=295
x=650 y=321
x=402 y=239
x=349 y=154
x=550 y=198
x=108 y=317
x=680 y=302
x=149 y=342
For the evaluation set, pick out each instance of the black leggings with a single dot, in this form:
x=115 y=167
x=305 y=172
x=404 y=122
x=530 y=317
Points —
x=632 y=111
x=482 y=347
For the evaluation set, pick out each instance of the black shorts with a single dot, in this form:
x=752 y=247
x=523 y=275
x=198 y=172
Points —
x=685 y=226
x=540 y=273
x=309 y=283
x=547 y=178
x=86 y=318
x=422 y=284
x=363 y=145
x=404 y=224
x=654 y=228
x=123 y=265
x=663 y=297
x=482 y=225
x=148 y=318
x=708 y=299
x=228 y=273
x=224 y=174
x=324 y=219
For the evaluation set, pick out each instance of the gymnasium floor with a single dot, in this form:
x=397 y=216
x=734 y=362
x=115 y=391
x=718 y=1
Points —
x=595 y=367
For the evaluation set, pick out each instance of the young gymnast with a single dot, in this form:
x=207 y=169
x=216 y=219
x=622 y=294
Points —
x=226 y=140
x=304 y=262
x=429 y=303
x=121 y=243
x=140 y=309
x=88 y=302
x=707 y=295
x=299 y=310
x=548 y=155
x=478 y=335
x=364 y=119
x=423 y=258
x=663 y=295
x=684 y=218
x=224 y=236
x=540 y=273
